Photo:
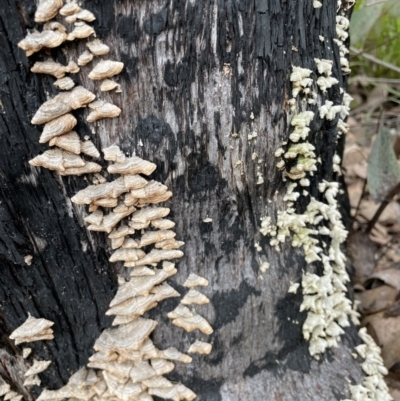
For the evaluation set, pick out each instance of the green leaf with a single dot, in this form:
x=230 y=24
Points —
x=363 y=20
x=383 y=169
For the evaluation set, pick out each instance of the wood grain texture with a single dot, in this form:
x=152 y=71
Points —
x=195 y=72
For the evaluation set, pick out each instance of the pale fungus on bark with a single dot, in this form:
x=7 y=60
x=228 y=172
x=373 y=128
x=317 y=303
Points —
x=106 y=69
x=62 y=104
x=88 y=148
x=64 y=84
x=194 y=297
x=57 y=127
x=26 y=352
x=85 y=58
x=33 y=380
x=70 y=142
x=69 y=9
x=33 y=329
x=132 y=165
x=109 y=84
x=56 y=69
x=200 y=347
x=81 y=15
x=102 y=109
x=47 y=9
x=127 y=364
x=98 y=48
x=80 y=31
x=191 y=323
x=37 y=367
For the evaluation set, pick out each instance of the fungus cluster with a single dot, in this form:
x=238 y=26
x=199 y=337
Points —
x=55 y=113
x=126 y=364
x=319 y=230
x=373 y=386
x=31 y=330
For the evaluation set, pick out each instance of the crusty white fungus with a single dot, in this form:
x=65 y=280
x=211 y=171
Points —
x=293 y=288
x=301 y=80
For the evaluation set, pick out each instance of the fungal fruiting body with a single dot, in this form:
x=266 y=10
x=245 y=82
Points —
x=319 y=230
x=126 y=352
x=373 y=386
x=126 y=364
x=33 y=330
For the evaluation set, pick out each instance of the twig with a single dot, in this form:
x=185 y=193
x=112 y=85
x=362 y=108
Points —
x=359 y=202
x=362 y=79
x=388 y=198
x=375 y=59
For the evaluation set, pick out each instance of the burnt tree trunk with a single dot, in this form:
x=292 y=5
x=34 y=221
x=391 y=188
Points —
x=196 y=72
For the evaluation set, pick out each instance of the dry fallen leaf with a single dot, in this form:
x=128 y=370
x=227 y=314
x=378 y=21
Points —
x=377 y=299
x=390 y=277
x=361 y=251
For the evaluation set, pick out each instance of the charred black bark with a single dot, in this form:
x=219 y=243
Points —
x=195 y=74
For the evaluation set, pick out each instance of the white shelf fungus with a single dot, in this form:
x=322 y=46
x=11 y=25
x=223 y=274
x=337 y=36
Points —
x=69 y=9
x=195 y=281
x=58 y=126
x=200 y=347
x=47 y=9
x=81 y=15
x=126 y=364
x=97 y=48
x=33 y=330
x=56 y=69
x=80 y=31
x=64 y=84
x=37 y=367
x=101 y=110
x=85 y=58
x=106 y=69
x=195 y=297
x=109 y=84
x=62 y=104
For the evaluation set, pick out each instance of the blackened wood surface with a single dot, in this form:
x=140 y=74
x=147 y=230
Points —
x=195 y=72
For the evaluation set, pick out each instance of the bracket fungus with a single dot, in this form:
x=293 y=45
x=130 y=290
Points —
x=37 y=367
x=195 y=281
x=97 y=48
x=132 y=165
x=109 y=84
x=36 y=41
x=81 y=31
x=126 y=363
x=26 y=352
x=101 y=110
x=106 y=69
x=33 y=329
x=47 y=9
x=81 y=15
x=88 y=148
x=200 y=347
x=194 y=297
x=57 y=127
x=85 y=58
x=69 y=8
x=62 y=104
x=33 y=380
x=195 y=322
x=53 y=68
x=64 y=84
x=69 y=142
